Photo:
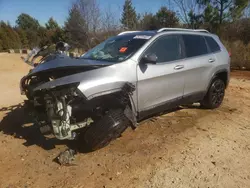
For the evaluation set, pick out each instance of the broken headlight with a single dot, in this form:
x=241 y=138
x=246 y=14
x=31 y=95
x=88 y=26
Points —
x=65 y=89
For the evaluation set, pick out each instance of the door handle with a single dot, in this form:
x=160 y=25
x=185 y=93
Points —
x=178 y=67
x=211 y=60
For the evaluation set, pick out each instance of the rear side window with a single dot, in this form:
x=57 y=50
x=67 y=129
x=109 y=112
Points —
x=213 y=45
x=195 y=45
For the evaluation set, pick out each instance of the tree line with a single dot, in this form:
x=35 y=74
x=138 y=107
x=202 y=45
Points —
x=87 y=26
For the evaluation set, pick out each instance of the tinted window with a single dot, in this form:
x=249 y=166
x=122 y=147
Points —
x=166 y=48
x=214 y=47
x=195 y=45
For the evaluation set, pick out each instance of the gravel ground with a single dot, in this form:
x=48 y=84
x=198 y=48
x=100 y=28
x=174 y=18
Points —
x=190 y=147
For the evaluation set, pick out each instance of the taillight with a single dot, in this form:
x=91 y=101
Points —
x=229 y=53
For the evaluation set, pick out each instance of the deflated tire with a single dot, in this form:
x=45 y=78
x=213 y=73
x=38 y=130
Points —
x=103 y=131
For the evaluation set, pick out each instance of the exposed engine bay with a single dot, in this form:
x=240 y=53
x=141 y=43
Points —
x=67 y=110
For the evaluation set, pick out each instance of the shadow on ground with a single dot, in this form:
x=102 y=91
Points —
x=18 y=123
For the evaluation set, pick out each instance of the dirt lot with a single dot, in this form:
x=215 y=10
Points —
x=190 y=147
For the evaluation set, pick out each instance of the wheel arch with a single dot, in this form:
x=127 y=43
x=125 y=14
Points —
x=119 y=97
x=223 y=74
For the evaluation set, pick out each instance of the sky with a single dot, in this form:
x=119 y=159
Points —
x=42 y=10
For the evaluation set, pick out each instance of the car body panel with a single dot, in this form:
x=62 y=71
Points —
x=64 y=62
x=158 y=83
x=220 y=64
x=196 y=73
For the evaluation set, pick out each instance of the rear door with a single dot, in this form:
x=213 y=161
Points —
x=199 y=60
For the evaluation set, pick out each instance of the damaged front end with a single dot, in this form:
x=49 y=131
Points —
x=55 y=111
x=75 y=98
x=66 y=112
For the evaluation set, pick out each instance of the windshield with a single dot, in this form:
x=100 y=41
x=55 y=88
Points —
x=117 y=48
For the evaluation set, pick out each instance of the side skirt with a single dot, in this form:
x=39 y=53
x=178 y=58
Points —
x=171 y=104
x=192 y=98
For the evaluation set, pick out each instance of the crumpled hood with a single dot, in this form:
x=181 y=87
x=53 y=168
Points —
x=64 y=62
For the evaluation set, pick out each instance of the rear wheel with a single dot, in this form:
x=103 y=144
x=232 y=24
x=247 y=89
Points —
x=103 y=131
x=215 y=94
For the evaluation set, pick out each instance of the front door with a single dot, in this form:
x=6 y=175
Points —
x=161 y=83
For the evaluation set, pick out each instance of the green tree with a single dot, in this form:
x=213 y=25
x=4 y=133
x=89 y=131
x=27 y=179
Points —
x=31 y=27
x=211 y=19
x=51 y=24
x=33 y=38
x=44 y=37
x=9 y=37
x=53 y=32
x=25 y=22
x=75 y=28
x=1 y=45
x=225 y=9
x=194 y=20
x=4 y=37
x=238 y=9
x=166 y=18
x=129 y=17
x=59 y=35
x=23 y=38
x=162 y=18
x=148 y=21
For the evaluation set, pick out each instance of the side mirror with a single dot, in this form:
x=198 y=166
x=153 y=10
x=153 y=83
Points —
x=149 y=58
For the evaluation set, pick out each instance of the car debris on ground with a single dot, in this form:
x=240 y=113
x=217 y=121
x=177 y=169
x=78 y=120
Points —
x=66 y=157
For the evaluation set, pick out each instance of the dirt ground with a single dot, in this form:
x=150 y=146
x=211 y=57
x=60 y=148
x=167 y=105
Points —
x=190 y=147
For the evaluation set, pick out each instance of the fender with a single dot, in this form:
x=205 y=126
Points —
x=98 y=81
x=126 y=94
x=215 y=75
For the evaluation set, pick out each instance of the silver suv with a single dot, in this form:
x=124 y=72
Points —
x=125 y=79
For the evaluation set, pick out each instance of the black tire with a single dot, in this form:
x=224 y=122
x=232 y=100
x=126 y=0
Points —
x=215 y=94
x=103 y=131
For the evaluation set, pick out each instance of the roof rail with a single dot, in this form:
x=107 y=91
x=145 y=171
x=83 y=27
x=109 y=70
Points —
x=181 y=29
x=126 y=32
x=201 y=30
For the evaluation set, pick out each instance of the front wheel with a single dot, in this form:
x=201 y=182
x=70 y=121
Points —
x=103 y=131
x=215 y=94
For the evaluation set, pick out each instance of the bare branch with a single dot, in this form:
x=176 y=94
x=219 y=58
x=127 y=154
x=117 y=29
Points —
x=228 y=5
x=90 y=12
x=219 y=1
x=186 y=6
x=109 y=23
